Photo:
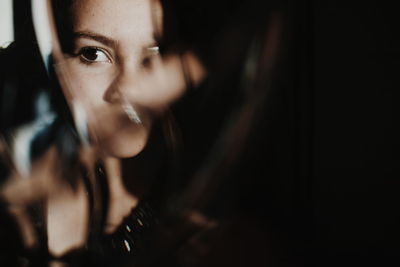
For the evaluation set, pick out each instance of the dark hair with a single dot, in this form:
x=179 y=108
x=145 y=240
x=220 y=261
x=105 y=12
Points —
x=63 y=22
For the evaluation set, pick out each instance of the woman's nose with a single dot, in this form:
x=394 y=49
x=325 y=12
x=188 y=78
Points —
x=124 y=81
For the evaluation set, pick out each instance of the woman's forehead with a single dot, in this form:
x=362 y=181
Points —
x=122 y=20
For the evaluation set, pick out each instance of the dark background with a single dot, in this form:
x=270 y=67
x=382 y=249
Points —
x=321 y=170
x=319 y=175
x=355 y=164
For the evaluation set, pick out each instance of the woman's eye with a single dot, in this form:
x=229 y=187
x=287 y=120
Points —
x=93 y=54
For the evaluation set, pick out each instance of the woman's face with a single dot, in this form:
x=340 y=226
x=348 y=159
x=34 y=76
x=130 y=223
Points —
x=113 y=45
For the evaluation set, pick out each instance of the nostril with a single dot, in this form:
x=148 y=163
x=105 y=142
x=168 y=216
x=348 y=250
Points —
x=111 y=95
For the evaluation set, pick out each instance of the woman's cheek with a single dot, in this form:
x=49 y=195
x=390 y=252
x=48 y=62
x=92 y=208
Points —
x=90 y=87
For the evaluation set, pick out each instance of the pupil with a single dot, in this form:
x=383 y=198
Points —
x=90 y=54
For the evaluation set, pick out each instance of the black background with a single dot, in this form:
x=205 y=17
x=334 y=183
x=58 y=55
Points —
x=356 y=132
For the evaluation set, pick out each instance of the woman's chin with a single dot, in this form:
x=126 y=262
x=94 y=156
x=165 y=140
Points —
x=122 y=146
x=124 y=152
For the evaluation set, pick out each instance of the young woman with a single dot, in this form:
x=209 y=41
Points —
x=117 y=75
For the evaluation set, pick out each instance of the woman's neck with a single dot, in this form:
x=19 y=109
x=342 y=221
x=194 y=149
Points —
x=121 y=202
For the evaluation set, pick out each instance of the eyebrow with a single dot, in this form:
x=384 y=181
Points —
x=96 y=37
x=110 y=42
